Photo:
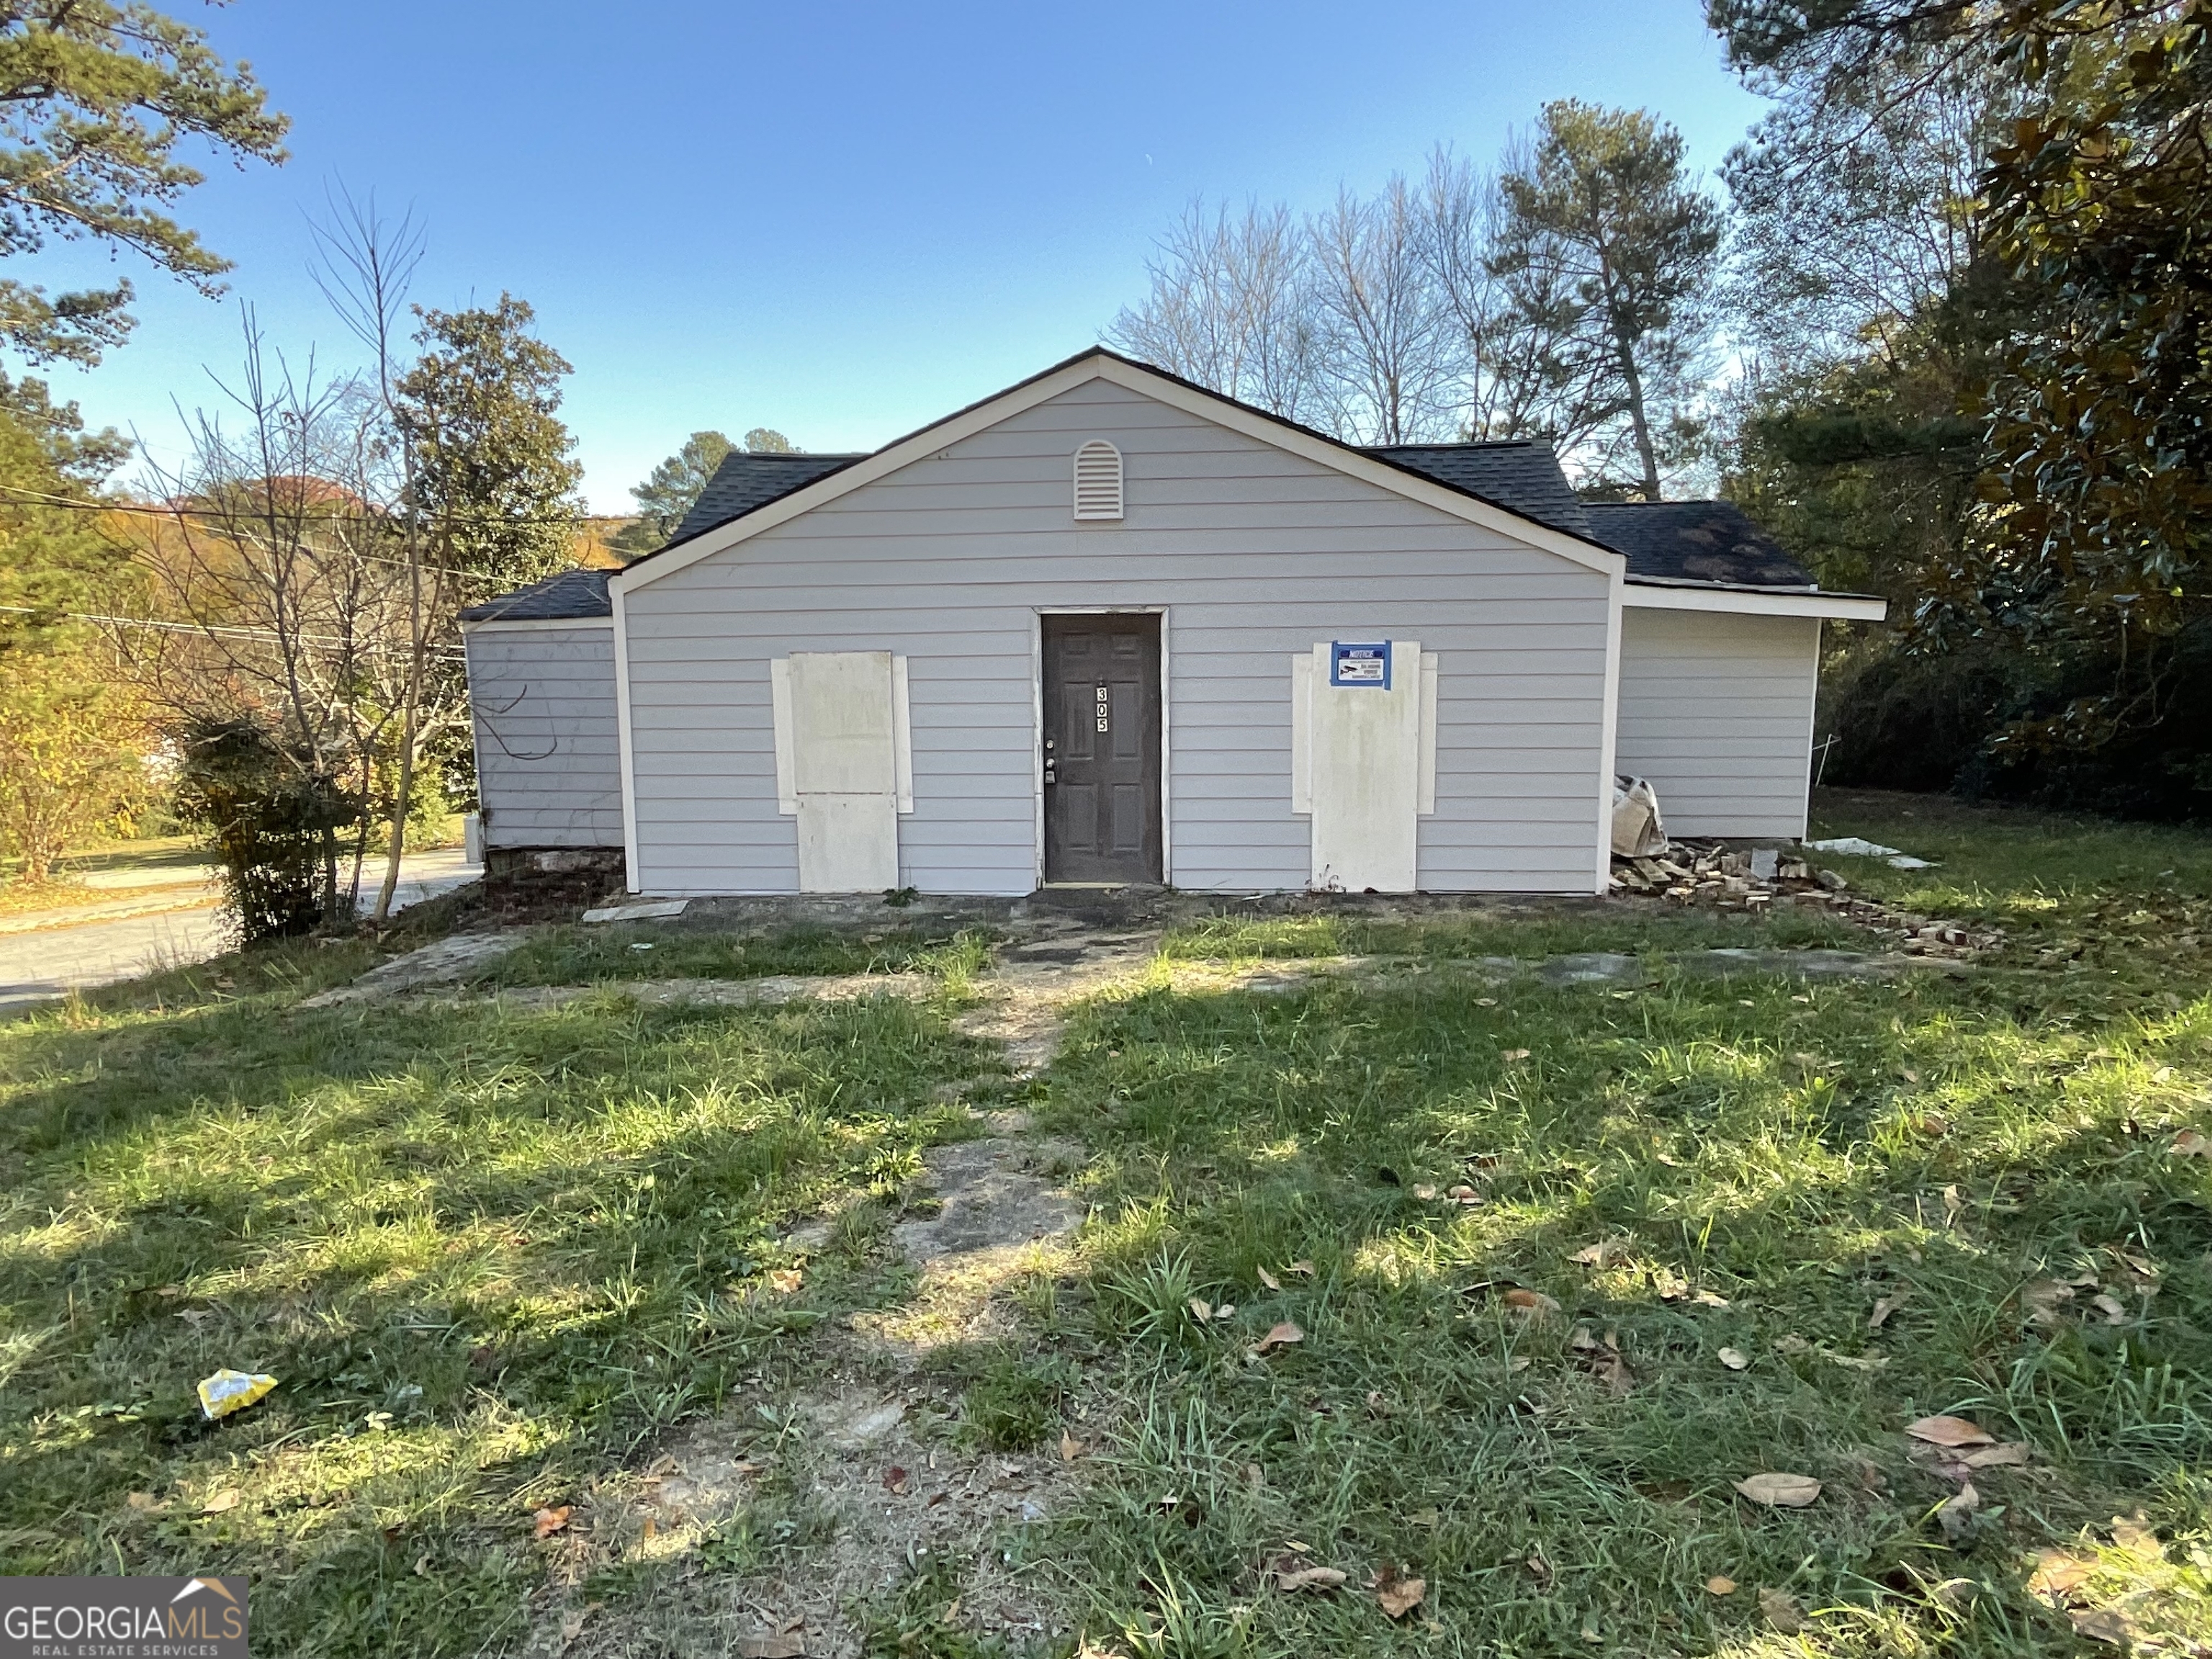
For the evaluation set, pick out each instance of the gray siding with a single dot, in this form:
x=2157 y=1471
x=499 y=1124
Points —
x=1717 y=710
x=1253 y=553
x=549 y=764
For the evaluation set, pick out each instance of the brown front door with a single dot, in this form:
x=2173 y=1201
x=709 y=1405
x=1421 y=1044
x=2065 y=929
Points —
x=1102 y=748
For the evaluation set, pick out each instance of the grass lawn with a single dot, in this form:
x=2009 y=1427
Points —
x=500 y=1258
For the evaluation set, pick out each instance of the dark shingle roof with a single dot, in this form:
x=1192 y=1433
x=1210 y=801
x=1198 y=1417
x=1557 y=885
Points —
x=1522 y=475
x=574 y=593
x=745 y=481
x=1694 y=542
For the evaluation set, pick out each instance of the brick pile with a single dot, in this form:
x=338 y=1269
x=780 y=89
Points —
x=1711 y=875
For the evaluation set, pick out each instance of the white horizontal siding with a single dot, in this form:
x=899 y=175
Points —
x=1254 y=553
x=549 y=767
x=1716 y=711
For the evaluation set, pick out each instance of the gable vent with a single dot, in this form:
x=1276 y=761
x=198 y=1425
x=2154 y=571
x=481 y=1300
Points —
x=1097 y=481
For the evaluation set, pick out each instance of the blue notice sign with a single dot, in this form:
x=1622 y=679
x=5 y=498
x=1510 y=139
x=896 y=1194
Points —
x=1359 y=665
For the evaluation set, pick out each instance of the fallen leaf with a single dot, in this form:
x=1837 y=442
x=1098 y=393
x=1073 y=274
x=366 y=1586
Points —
x=1718 y=1585
x=777 y=1645
x=1485 y=1002
x=2134 y=1535
x=1671 y=1286
x=1955 y=1514
x=223 y=1502
x=2112 y=1307
x=1530 y=1304
x=2041 y=1299
x=1070 y=1447
x=1224 y=1310
x=1464 y=1195
x=1424 y=1190
x=788 y=1279
x=546 y=1523
x=1201 y=1309
x=1603 y=1253
x=1735 y=1359
x=1949 y=1431
x=2009 y=1454
x=1954 y=1203
x=1376 y=1405
x=573 y=1622
x=1270 y=1280
x=1707 y=1299
x=2057 y=1572
x=1511 y=1055
x=1782 y=1611
x=1788 y=1492
x=1520 y=1361
x=1539 y=1569
x=895 y=1481
x=1309 y=1579
x=1395 y=1594
x=1792 y=1343
x=1303 y=1267
x=1428 y=1518
x=1887 y=1306
x=143 y=1502
x=1254 y=1476
x=2191 y=1142
x=2103 y=1624
x=1280 y=1337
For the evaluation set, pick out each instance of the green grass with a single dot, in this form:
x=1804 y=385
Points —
x=487 y=1255
x=587 y=955
x=497 y=1256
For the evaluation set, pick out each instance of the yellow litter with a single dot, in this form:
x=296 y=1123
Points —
x=229 y=1391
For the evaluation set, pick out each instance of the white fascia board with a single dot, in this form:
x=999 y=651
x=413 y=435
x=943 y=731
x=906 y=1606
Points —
x=1850 y=607
x=625 y=744
x=1234 y=417
x=535 y=625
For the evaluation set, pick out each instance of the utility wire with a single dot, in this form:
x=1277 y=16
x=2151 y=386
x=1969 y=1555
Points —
x=226 y=630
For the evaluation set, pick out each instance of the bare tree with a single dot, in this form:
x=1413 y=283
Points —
x=1229 y=307
x=365 y=269
x=1391 y=352
x=273 y=582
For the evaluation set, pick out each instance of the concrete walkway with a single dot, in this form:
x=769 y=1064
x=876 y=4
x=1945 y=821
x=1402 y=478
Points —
x=72 y=951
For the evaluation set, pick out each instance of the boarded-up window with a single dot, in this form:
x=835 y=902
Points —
x=1097 y=481
x=844 y=764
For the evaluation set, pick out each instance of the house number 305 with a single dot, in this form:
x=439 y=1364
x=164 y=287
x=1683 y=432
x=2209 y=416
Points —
x=1102 y=708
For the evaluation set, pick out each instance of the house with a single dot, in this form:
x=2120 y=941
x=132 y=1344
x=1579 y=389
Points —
x=1109 y=627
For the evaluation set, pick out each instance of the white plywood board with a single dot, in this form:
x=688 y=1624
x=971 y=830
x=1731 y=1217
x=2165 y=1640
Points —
x=848 y=843
x=1365 y=777
x=843 y=729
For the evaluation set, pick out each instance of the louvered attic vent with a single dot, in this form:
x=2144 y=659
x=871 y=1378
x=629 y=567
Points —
x=1097 y=481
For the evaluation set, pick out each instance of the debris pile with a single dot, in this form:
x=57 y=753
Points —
x=1711 y=874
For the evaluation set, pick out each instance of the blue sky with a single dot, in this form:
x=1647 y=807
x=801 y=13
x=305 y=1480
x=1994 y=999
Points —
x=841 y=221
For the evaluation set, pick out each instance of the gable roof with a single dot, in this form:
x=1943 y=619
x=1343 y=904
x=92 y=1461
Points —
x=747 y=479
x=1100 y=363
x=1704 y=542
x=1520 y=475
x=577 y=594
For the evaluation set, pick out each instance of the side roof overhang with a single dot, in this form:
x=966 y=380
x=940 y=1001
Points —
x=1658 y=594
x=1100 y=364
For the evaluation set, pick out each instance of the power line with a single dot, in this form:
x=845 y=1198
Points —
x=228 y=630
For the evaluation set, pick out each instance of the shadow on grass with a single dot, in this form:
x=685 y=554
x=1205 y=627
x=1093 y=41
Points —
x=1764 y=1165
x=484 y=1251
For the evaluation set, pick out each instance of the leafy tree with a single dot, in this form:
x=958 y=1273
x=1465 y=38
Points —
x=1599 y=205
x=96 y=99
x=667 y=495
x=72 y=748
x=52 y=551
x=664 y=498
x=493 y=476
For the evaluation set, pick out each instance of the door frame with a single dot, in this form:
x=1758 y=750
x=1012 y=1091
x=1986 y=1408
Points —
x=1037 y=725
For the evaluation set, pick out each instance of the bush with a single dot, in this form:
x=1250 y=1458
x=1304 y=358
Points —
x=271 y=817
x=1987 y=725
